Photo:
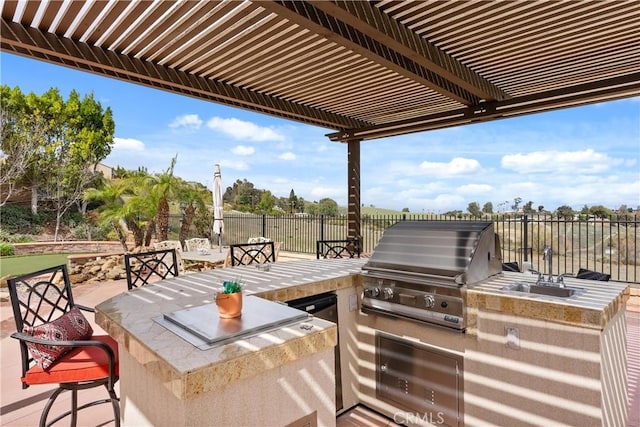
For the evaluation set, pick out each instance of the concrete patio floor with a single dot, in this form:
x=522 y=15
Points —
x=20 y=407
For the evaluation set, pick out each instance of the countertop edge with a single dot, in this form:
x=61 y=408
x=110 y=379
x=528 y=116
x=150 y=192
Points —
x=566 y=311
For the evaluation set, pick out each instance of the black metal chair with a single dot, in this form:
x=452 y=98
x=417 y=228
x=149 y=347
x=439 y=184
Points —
x=252 y=253
x=510 y=266
x=57 y=343
x=348 y=248
x=144 y=266
x=583 y=273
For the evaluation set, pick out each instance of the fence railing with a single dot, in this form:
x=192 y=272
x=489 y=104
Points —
x=607 y=245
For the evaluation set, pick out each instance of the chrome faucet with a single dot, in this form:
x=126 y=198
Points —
x=547 y=256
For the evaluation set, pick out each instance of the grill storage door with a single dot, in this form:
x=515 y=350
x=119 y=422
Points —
x=423 y=381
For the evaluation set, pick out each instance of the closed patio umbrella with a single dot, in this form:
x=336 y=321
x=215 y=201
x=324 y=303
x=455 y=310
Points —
x=218 y=207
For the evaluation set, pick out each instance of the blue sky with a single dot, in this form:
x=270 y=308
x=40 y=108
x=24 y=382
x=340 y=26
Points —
x=580 y=156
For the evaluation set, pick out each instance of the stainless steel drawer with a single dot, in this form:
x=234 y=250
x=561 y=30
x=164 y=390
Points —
x=424 y=381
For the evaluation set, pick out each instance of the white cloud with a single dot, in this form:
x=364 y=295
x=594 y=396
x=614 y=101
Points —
x=239 y=129
x=287 y=156
x=585 y=161
x=243 y=150
x=332 y=192
x=128 y=144
x=234 y=164
x=457 y=166
x=191 y=121
x=476 y=189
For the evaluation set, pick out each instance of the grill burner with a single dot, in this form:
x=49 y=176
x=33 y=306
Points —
x=419 y=269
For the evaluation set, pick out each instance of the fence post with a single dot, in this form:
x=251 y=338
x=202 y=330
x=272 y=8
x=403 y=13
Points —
x=525 y=236
x=264 y=225
x=322 y=227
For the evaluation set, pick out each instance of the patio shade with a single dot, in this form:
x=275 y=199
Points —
x=218 y=206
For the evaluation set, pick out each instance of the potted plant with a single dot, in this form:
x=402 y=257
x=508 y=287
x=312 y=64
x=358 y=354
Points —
x=229 y=301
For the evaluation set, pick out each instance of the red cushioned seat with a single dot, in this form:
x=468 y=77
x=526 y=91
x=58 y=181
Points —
x=57 y=345
x=80 y=364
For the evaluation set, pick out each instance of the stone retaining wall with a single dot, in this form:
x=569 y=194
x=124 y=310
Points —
x=97 y=268
x=73 y=246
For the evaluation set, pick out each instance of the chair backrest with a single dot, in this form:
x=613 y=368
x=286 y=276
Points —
x=252 y=253
x=510 y=266
x=258 y=239
x=197 y=243
x=348 y=248
x=37 y=298
x=583 y=273
x=172 y=244
x=149 y=266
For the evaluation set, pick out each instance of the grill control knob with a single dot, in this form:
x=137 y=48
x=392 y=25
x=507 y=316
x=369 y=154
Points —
x=387 y=293
x=372 y=292
x=429 y=301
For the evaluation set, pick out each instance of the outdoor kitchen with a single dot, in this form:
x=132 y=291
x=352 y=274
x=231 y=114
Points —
x=430 y=332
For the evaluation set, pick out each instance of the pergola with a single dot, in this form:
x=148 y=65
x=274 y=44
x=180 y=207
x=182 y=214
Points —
x=363 y=69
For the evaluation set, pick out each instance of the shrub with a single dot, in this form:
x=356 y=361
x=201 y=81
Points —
x=7 y=237
x=84 y=231
x=6 y=249
x=19 y=219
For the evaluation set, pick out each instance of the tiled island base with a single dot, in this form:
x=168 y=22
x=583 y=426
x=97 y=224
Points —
x=278 y=396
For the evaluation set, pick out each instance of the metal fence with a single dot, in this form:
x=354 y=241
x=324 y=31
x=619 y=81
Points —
x=607 y=245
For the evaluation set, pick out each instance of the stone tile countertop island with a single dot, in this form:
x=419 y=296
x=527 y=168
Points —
x=286 y=376
x=593 y=306
x=182 y=375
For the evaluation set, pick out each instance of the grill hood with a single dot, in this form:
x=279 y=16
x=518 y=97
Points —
x=461 y=252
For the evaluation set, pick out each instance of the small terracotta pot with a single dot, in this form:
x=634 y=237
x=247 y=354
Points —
x=229 y=305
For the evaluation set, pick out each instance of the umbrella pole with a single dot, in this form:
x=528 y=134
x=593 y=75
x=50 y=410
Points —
x=220 y=242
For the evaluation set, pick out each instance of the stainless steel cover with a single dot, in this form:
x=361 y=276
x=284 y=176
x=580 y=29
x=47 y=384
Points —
x=459 y=252
x=202 y=327
x=419 y=268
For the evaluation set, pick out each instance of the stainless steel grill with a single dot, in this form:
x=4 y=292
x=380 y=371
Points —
x=419 y=269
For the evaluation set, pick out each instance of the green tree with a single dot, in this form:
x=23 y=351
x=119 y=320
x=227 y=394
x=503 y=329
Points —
x=112 y=211
x=267 y=202
x=584 y=211
x=474 y=209
x=327 y=207
x=193 y=197
x=68 y=139
x=528 y=207
x=84 y=137
x=516 y=204
x=141 y=208
x=242 y=196
x=164 y=187
x=487 y=208
x=405 y=209
x=20 y=139
x=599 y=211
x=293 y=201
x=565 y=212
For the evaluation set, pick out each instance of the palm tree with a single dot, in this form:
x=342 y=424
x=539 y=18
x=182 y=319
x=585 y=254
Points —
x=141 y=208
x=164 y=187
x=193 y=198
x=112 y=211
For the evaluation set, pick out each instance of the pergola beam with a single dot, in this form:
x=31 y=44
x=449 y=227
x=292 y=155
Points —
x=604 y=90
x=316 y=20
x=31 y=42
x=365 y=17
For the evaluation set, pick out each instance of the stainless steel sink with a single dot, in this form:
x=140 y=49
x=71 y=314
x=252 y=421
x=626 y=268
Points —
x=532 y=288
